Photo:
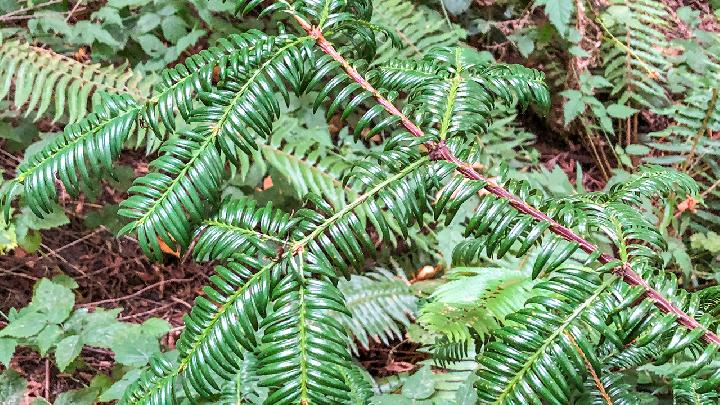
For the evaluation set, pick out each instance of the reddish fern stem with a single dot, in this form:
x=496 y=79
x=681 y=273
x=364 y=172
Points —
x=442 y=152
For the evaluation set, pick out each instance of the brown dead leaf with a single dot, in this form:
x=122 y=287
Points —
x=689 y=204
x=399 y=367
x=267 y=183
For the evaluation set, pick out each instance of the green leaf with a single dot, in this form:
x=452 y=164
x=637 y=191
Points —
x=574 y=106
x=156 y=327
x=621 y=111
x=7 y=349
x=85 y=396
x=147 y=22
x=174 y=28
x=67 y=350
x=133 y=347
x=48 y=337
x=420 y=385
x=29 y=324
x=54 y=300
x=117 y=390
x=12 y=388
x=637 y=150
x=151 y=45
x=559 y=12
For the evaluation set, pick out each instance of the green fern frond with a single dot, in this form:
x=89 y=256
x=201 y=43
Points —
x=474 y=301
x=240 y=226
x=685 y=392
x=536 y=355
x=381 y=304
x=633 y=51
x=419 y=29
x=454 y=91
x=167 y=203
x=80 y=153
x=42 y=78
x=609 y=388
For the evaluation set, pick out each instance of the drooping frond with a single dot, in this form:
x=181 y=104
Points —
x=453 y=92
x=609 y=388
x=419 y=28
x=79 y=154
x=167 y=202
x=309 y=166
x=686 y=392
x=540 y=353
x=42 y=78
x=633 y=51
x=240 y=226
x=381 y=305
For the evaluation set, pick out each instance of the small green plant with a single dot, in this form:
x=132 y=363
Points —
x=276 y=313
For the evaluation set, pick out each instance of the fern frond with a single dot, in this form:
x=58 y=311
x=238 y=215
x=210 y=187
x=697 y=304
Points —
x=454 y=92
x=167 y=204
x=686 y=392
x=381 y=303
x=536 y=355
x=419 y=28
x=42 y=78
x=474 y=301
x=240 y=226
x=633 y=51
x=609 y=388
x=80 y=153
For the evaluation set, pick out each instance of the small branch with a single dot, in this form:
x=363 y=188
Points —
x=624 y=271
x=598 y=383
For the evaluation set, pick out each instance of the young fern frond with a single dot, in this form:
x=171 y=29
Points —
x=42 y=78
x=474 y=302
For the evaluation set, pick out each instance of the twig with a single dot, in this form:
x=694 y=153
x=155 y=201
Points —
x=74 y=9
x=8 y=16
x=47 y=377
x=135 y=294
x=441 y=152
x=598 y=383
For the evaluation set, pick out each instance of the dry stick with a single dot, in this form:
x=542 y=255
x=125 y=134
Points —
x=440 y=151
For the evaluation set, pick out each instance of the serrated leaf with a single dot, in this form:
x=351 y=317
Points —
x=54 y=300
x=67 y=350
x=25 y=326
x=574 y=106
x=559 y=13
x=48 y=337
x=85 y=396
x=420 y=385
x=133 y=347
x=7 y=349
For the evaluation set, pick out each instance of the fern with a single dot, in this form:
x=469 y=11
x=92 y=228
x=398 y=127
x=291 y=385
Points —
x=419 y=29
x=633 y=51
x=380 y=305
x=43 y=78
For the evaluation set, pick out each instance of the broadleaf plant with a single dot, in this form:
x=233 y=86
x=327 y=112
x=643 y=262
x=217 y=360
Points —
x=598 y=299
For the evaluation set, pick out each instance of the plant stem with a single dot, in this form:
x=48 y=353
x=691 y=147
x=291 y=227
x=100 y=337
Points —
x=440 y=151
